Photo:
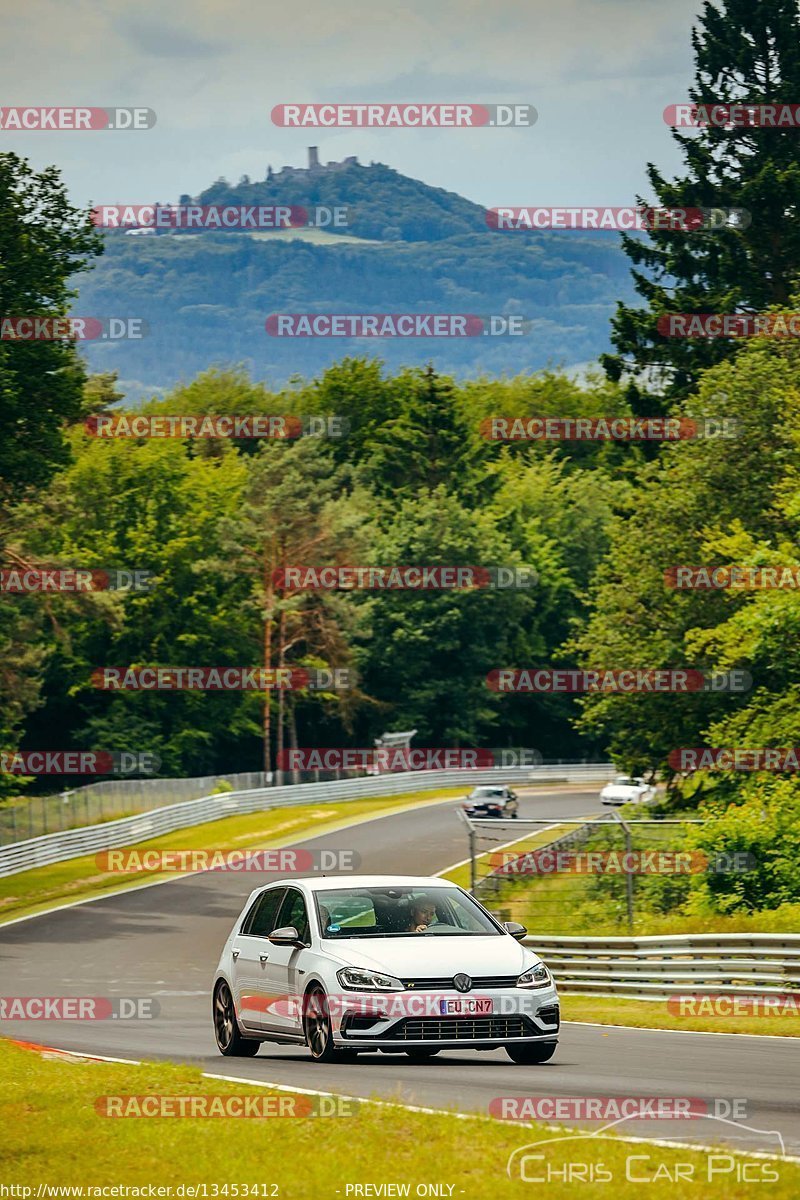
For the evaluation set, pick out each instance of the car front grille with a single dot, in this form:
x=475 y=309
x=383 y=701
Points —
x=445 y=983
x=458 y=1029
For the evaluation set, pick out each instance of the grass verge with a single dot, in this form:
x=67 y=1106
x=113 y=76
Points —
x=45 y=887
x=55 y=1136
x=653 y=1014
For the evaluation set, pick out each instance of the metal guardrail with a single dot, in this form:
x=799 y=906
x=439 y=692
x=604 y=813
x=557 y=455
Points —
x=655 y=968
x=92 y=839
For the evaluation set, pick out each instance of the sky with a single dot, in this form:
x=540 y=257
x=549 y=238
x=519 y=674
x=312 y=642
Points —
x=599 y=73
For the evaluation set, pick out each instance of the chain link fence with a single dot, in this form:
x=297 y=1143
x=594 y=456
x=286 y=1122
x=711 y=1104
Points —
x=579 y=875
x=27 y=817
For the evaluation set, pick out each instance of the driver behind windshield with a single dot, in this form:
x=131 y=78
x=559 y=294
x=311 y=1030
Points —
x=423 y=914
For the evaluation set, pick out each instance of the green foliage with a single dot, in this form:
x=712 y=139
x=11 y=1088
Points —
x=704 y=501
x=746 y=51
x=764 y=825
x=44 y=240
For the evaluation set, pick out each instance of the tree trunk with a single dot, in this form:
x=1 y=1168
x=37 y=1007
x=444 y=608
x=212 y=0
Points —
x=281 y=695
x=293 y=737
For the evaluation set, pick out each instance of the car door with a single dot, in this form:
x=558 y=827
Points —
x=250 y=951
x=284 y=976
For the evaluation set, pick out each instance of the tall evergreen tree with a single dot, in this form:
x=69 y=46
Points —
x=746 y=51
x=44 y=240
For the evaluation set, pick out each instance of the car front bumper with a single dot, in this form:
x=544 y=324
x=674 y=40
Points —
x=411 y=1020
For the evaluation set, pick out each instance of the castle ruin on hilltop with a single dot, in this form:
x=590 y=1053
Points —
x=313 y=165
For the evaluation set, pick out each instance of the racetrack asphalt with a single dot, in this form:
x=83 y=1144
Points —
x=164 y=942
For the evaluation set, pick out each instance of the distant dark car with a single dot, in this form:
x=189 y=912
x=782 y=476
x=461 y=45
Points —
x=491 y=802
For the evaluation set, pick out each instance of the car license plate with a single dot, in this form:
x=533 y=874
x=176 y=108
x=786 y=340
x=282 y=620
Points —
x=472 y=1006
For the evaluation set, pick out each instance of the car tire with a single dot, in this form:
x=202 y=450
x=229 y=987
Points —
x=531 y=1052
x=318 y=1029
x=226 y=1028
x=422 y=1054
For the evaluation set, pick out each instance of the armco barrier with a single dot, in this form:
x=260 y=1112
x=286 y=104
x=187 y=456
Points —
x=91 y=839
x=655 y=968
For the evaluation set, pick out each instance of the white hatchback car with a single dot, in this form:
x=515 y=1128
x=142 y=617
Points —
x=378 y=962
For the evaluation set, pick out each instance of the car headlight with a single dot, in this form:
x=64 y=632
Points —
x=539 y=977
x=360 y=980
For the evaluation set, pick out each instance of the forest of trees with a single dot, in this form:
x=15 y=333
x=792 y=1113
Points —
x=601 y=523
x=205 y=299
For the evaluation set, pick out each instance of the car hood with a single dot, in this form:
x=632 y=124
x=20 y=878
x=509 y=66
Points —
x=432 y=957
x=620 y=790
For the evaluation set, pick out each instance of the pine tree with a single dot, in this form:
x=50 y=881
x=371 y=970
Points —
x=746 y=51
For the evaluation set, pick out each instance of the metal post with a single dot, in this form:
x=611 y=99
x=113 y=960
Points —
x=628 y=874
x=472 y=871
x=629 y=878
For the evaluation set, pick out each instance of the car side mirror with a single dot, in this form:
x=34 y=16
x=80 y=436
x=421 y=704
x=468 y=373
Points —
x=515 y=929
x=287 y=935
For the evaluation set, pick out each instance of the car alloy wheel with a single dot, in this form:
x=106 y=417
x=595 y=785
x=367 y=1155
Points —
x=317 y=1026
x=226 y=1029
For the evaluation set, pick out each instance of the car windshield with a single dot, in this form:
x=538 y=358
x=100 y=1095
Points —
x=486 y=793
x=624 y=781
x=381 y=912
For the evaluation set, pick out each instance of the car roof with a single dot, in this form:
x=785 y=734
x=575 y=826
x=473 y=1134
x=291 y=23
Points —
x=316 y=883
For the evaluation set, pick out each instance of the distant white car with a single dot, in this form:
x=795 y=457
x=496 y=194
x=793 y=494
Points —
x=627 y=789
x=380 y=962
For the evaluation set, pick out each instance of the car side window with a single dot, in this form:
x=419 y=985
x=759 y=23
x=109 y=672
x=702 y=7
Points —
x=262 y=918
x=294 y=912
